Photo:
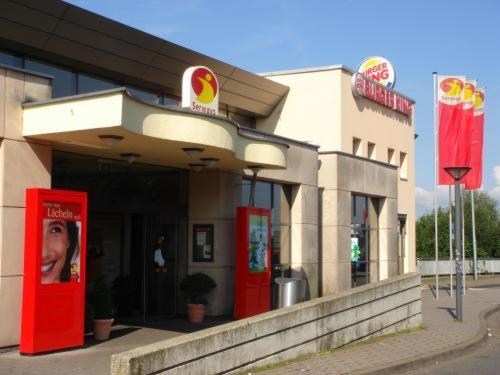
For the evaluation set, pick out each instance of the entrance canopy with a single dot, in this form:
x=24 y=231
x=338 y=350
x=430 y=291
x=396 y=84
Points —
x=157 y=134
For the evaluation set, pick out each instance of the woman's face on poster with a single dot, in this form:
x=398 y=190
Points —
x=55 y=248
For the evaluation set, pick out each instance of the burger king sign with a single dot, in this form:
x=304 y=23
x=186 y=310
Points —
x=200 y=90
x=378 y=69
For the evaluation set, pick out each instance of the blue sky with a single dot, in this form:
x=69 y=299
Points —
x=419 y=37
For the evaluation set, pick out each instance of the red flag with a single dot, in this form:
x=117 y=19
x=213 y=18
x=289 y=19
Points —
x=450 y=100
x=474 y=178
x=464 y=134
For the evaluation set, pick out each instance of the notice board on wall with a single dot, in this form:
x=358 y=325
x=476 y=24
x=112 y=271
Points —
x=54 y=270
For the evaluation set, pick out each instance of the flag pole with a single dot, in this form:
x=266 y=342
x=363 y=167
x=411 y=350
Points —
x=463 y=241
x=474 y=246
x=451 y=241
x=436 y=233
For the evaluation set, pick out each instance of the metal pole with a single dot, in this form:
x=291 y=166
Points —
x=474 y=245
x=464 y=271
x=458 y=243
x=451 y=241
x=436 y=149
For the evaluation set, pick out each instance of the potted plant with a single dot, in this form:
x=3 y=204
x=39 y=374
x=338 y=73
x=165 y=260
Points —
x=196 y=287
x=103 y=309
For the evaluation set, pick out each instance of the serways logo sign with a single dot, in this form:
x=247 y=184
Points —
x=378 y=69
x=450 y=90
x=200 y=90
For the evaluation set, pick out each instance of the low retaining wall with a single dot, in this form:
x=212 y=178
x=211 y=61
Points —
x=309 y=327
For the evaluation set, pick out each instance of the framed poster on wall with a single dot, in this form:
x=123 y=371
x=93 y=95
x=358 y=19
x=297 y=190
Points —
x=203 y=243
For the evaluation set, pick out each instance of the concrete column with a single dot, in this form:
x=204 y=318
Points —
x=23 y=164
x=336 y=253
x=213 y=198
x=388 y=238
x=304 y=224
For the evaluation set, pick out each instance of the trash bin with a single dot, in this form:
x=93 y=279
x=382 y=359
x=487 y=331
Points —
x=290 y=291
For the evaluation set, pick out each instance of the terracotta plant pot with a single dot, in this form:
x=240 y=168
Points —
x=196 y=312
x=102 y=327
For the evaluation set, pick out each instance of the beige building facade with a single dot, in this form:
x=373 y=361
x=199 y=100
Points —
x=336 y=171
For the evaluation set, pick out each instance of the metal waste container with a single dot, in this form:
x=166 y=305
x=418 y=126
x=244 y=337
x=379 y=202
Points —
x=290 y=291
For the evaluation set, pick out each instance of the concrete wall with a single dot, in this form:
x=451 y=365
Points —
x=320 y=324
x=341 y=175
x=28 y=164
x=213 y=198
x=302 y=174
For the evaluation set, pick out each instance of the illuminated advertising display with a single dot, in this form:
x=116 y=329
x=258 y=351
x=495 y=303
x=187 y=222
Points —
x=200 y=90
x=54 y=270
x=253 y=259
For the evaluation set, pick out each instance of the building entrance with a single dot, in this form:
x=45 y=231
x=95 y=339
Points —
x=136 y=230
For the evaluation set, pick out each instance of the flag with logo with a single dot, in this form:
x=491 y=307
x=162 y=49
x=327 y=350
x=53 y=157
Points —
x=464 y=134
x=450 y=109
x=474 y=178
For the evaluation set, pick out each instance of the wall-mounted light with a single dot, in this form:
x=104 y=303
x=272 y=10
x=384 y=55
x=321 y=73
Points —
x=192 y=151
x=209 y=162
x=110 y=139
x=196 y=167
x=129 y=157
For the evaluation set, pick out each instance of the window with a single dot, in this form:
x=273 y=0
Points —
x=403 y=166
x=64 y=82
x=87 y=83
x=390 y=156
x=371 y=150
x=10 y=59
x=144 y=95
x=249 y=122
x=356 y=146
x=170 y=100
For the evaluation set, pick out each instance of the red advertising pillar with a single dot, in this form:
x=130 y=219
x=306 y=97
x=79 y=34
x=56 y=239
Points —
x=54 y=270
x=253 y=261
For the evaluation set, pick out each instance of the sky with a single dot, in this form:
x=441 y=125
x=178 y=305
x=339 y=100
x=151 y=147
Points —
x=419 y=37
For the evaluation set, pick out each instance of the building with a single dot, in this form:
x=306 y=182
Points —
x=337 y=169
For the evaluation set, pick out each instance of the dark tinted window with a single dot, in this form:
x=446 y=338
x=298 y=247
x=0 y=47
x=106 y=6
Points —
x=145 y=96
x=87 y=83
x=10 y=59
x=64 y=82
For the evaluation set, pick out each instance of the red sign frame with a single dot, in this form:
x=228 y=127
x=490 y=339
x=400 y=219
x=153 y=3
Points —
x=253 y=286
x=53 y=309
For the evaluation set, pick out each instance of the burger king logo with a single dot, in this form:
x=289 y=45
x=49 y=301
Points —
x=200 y=90
x=378 y=69
x=450 y=90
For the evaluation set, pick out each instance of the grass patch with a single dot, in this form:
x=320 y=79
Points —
x=430 y=280
x=330 y=351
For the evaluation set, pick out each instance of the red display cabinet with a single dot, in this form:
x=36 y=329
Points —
x=54 y=270
x=253 y=261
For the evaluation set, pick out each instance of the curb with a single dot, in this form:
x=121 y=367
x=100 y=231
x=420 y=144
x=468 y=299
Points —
x=474 y=342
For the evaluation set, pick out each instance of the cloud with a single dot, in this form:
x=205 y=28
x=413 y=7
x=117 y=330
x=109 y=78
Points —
x=495 y=191
x=424 y=199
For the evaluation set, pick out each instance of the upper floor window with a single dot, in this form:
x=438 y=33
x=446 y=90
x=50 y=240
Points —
x=356 y=146
x=391 y=154
x=64 y=82
x=11 y=59
x=371 y=150
x=403 y=165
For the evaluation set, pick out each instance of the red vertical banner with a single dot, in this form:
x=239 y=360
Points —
x=464 y=133
x=450 y=99
x=474 y=178
x=253 y=262
x=54 y=270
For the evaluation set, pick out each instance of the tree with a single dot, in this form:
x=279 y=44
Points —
x=487 y=218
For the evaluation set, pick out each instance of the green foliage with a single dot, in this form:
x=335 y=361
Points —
x=487 y=218
x=102 y=300
x=196 y=286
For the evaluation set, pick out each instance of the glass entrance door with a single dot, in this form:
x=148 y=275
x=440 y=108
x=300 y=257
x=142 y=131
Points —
x=360 y=249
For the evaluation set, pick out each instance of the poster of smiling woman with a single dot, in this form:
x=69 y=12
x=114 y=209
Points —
x=61 y=242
